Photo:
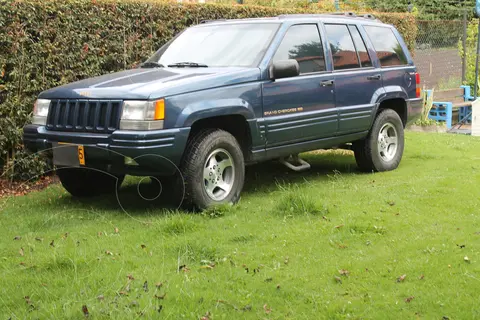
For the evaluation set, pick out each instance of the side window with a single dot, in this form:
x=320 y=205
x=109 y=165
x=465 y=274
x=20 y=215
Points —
x=365 y=60
x=343 y=50
x=302 y=43
x=389 y=50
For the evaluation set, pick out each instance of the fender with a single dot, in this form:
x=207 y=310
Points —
x=387 y=93
x=214 y=108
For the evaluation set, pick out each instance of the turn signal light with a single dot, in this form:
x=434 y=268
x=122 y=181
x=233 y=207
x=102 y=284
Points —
x=159 y=110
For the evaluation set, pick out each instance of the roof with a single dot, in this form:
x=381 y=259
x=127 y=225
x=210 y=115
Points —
x=330 y=17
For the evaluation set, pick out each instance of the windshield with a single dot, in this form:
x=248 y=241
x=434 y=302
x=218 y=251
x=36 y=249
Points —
x=225 y=45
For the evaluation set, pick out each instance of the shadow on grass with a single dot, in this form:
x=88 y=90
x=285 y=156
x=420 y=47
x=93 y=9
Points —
x=259 y=177
x=265 y=176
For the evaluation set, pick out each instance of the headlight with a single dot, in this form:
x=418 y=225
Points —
x=142 y=115
x=40 y=111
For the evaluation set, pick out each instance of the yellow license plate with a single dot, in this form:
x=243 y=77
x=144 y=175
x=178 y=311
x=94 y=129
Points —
x=81 y=155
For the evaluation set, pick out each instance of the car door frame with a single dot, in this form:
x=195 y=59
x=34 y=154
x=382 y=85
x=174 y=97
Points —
x=268 y=59
x=353 y=112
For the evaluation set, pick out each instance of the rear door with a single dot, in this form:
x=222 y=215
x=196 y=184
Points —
x=300 y=108
x=397 y=65
x=356 y=79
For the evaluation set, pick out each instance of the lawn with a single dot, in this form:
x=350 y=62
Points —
x=329 y=243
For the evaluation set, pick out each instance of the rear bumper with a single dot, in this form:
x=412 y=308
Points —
x=156 y=152
x=415 y=107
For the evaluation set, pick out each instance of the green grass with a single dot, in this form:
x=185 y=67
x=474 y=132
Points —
x=276 y=255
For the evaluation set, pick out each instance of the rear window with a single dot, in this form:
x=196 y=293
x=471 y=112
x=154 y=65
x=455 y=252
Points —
x=389 y=50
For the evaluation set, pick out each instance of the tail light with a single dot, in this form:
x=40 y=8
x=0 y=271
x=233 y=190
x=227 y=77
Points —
x=417 y=81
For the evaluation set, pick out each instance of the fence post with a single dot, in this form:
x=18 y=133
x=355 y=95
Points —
x=464 y=45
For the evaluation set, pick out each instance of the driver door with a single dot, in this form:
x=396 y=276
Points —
x=300 y=108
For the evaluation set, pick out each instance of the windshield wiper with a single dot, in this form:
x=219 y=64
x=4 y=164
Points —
x=187 y=64
x=151 y=64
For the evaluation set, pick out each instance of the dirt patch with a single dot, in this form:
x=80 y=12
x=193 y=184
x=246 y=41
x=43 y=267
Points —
x=20 y=188
x=433 y=128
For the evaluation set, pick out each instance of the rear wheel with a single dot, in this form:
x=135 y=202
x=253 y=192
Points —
x=83 y=182
x=213 y=169
x=382 y=149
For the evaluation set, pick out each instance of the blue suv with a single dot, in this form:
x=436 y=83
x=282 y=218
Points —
x=227 y=93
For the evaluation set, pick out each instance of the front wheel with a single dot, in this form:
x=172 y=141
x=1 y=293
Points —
x=213 y=169
x=84 y=182
x=382 y=149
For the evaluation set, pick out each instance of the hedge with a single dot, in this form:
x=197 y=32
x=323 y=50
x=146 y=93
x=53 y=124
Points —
x=52 y=42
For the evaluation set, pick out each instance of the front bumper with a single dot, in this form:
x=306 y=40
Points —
x=414 y=110
x=157 y=152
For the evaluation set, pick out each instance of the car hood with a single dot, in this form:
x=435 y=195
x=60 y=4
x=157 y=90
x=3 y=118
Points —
x=152 y=83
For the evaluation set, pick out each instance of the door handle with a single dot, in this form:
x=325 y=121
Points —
x=327 y=83
x=375 y=77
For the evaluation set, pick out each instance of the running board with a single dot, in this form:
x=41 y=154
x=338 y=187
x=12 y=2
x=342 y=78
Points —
x=295 y=163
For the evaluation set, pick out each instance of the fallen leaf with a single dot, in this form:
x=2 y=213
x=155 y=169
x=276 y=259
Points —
x=409 y=299
x=39 y=239
x=145 y=286
x=108 y=253
x=130 y=277
x=339 y=226
x=21 y=252
x=286 y=260
x=85 y=311
x=143 y=246
x=278 y=286
x=206 y=316
x=401 y=278
x=99 y=234
x=158 y=284
x=337 y=279
x=65 y=236
x=160 y=297
x=344 y=272
x=421 y=277
x=183 y=268
x=267 y=309
x=100 y=297
x=116 y=230
x=127 y=287
x=17 y=238
x=466 y=259
x=123 y=293
x=206 y=267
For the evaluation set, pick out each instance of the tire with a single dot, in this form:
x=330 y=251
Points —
x=203 y=159
x=382 y=149
x=85 y=183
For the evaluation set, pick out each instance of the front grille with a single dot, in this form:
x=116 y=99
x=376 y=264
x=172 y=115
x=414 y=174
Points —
x=84 y=115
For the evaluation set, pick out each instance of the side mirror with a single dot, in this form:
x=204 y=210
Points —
x=284 y=69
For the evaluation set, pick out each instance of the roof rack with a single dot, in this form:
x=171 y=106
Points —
x=210 y=21
x=348 y=14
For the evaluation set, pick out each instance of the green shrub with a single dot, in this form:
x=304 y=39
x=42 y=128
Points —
x=472 y=33
x=48 y=43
